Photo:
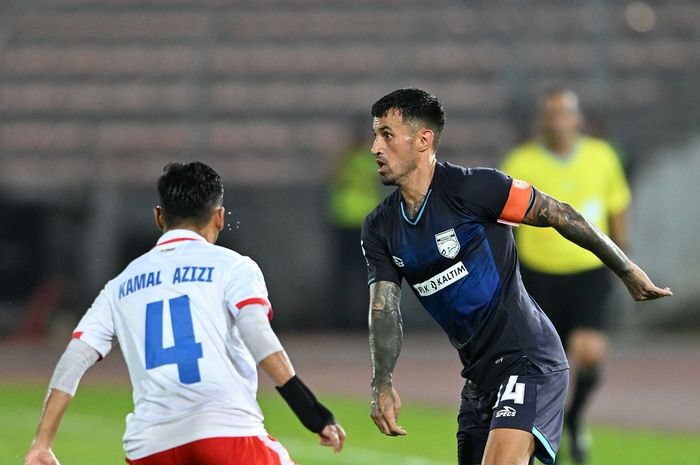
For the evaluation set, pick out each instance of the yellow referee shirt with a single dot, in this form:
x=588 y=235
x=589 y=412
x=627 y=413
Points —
x=590 y=179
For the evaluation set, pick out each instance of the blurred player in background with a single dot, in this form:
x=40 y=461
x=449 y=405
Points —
x=192 y=320
x=571 y=284
x=446 y=231
x=354 y=192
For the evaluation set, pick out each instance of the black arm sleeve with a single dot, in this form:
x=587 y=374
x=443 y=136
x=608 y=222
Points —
x=304 y=404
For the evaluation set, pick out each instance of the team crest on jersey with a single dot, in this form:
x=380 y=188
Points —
x=447 y=243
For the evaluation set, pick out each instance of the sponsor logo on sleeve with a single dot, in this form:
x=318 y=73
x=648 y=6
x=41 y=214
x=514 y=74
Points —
x=398 y=261
x=441 y=280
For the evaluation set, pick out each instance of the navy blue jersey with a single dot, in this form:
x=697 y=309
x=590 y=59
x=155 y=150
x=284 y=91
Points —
x=459 y=257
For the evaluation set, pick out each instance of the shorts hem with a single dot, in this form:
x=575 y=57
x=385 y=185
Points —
x=550 y=456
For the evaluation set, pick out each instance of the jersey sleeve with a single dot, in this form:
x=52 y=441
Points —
x=618 y=192
x=96 y=327
x=380 y=266
x=493 y=196
x=245 y=285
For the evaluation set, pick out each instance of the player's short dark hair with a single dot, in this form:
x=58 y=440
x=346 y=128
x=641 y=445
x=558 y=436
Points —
x=189 y=193
x=413 y=105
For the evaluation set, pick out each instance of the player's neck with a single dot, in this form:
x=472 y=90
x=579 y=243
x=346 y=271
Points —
x=563 y=148
x=416 y=185
x=208 y=233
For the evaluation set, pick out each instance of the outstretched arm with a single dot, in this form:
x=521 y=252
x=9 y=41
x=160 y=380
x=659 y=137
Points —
x=548 y=211
x=71 y=367
x=41 y=452
x=303 y=402
x=385 y=339
x=255 y=330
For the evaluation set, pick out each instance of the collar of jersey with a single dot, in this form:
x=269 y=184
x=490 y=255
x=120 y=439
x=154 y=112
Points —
x=420 y=213
x=562 y=159
x=178 y=235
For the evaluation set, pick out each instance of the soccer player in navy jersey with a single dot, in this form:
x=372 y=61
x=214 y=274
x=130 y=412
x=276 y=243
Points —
x=447 y=231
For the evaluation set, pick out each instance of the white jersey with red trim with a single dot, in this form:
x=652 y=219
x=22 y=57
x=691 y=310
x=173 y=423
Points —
x=173 y=311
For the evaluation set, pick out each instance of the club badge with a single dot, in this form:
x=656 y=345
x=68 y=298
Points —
x=447 y=243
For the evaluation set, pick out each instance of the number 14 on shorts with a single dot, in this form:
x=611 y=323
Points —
x=514 y=391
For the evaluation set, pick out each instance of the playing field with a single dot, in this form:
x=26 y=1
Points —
x=91 y=433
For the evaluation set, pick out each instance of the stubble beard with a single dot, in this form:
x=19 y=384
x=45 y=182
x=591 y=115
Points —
x=394 y=179
x=387 y=181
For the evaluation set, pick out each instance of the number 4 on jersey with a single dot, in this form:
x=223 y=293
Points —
x=185 y=352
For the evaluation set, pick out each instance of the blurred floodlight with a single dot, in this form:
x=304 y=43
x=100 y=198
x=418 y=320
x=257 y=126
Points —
x=640 y=16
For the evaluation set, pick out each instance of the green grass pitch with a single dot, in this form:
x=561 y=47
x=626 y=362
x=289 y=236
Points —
x=92 y=429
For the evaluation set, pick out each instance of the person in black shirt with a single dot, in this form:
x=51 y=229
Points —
x=447 y=231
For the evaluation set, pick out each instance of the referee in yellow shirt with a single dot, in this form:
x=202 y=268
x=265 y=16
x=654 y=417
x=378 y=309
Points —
x=570 y=284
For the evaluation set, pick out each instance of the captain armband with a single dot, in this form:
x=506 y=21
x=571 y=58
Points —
x=519 y=201
x=312 y=414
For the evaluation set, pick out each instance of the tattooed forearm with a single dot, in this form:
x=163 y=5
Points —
x=548 y=211
x=385 y=330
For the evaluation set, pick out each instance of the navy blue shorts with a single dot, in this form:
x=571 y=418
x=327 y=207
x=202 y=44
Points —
x=531 y=401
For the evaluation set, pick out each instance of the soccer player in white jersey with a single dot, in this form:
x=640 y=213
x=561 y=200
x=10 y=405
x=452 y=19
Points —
x=192 y=319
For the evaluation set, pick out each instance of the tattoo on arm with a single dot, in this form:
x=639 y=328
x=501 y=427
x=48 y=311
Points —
x=385 y=330
x=548 y=211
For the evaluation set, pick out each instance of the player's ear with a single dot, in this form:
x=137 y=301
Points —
x=219 y=218
x=158 y=218
x=425 y=139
